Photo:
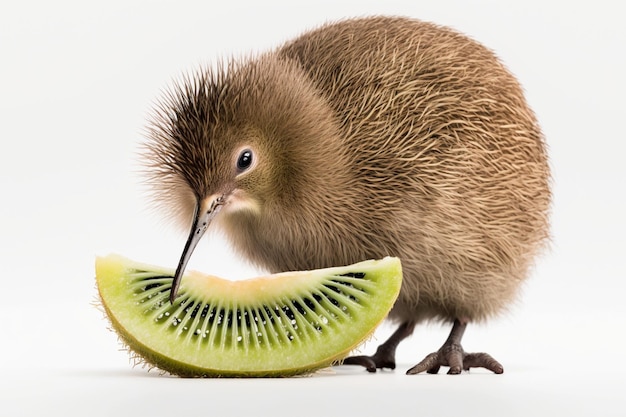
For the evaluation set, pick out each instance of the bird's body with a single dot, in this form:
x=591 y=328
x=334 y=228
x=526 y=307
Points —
x=369 y=137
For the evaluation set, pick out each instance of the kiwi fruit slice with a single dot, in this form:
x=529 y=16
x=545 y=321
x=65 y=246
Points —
x=278 y=325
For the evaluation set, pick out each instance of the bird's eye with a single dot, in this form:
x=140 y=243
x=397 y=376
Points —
x=245 y=160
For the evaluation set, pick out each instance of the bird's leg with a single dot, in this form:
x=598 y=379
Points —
x=385 y=356
x=451 y=354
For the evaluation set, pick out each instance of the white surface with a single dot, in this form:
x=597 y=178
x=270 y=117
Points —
x=76 y=83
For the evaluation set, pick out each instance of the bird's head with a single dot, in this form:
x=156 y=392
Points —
x=247 y=137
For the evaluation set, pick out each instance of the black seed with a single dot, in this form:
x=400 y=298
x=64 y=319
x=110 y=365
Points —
x=333 y=288
x=290 y=315
x=194 y=312
x=342 y=283
x=270 y=314
x=352 y=286
x=150 y=286
x=299 y=307
x=359 y=275
x=182 y=302
x=219 y=315
x=309 y=303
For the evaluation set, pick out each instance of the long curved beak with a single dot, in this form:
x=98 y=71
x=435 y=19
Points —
x=205 y=212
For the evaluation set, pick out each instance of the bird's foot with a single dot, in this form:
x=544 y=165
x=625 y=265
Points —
x=383 y=358
x=453 y=356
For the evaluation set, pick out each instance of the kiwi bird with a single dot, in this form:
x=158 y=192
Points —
x=359 y=139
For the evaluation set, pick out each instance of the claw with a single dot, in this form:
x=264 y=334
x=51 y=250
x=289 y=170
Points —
x=365 y=361
x=482 y=360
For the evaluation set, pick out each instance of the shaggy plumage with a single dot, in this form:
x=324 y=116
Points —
x=370 y=137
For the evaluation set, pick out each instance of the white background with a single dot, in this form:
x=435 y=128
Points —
x=77 y=80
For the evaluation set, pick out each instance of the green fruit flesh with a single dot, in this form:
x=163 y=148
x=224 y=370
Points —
x=280 y=325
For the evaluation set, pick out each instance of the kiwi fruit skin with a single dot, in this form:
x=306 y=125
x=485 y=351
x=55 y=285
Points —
x=150 y=347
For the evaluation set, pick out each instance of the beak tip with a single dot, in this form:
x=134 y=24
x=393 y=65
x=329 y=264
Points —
x=175 y=284
x=173 y=295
